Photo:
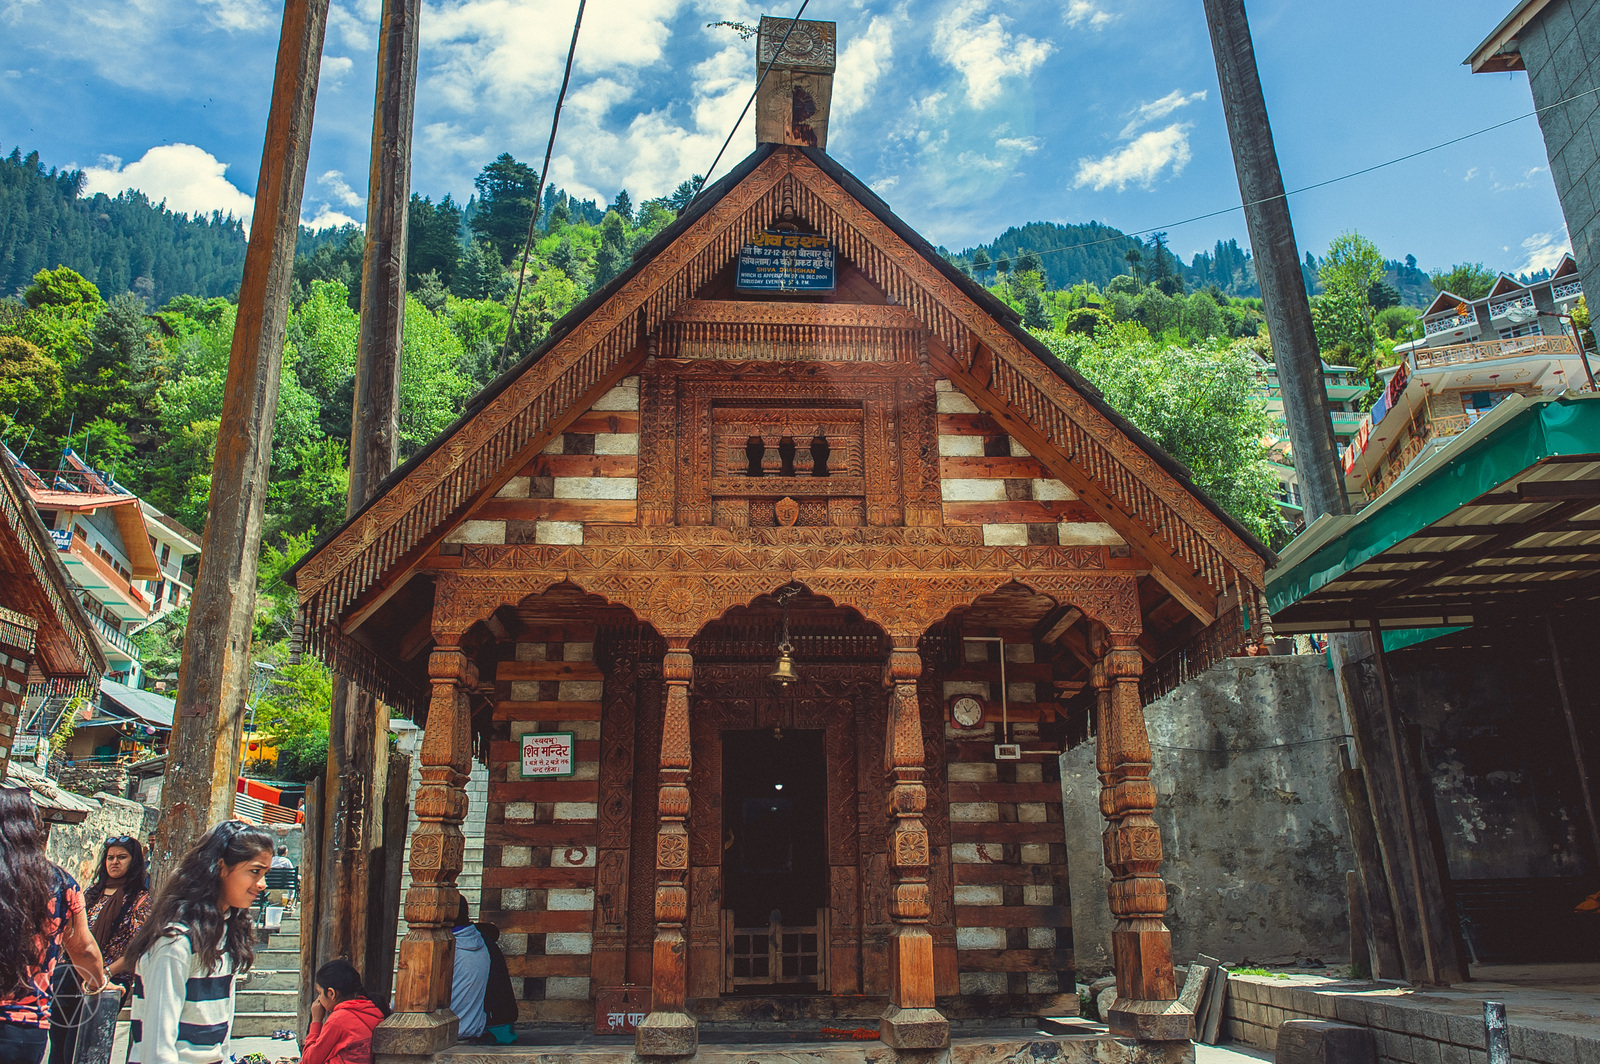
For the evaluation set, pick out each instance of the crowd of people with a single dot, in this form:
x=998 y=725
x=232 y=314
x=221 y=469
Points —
x=175 y=954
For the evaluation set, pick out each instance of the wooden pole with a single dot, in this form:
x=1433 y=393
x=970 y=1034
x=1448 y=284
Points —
x=1572 y=733
x=357 y=752
x=1277 y=259
x=203 y=761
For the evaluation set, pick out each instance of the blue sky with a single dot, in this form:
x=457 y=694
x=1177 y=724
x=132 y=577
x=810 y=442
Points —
x=966 y=115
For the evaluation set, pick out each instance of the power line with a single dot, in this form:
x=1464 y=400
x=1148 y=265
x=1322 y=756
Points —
x=1322 y=184
x=704 y=181
x=543 y=178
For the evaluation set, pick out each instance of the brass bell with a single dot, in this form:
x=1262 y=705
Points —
x=783 y=673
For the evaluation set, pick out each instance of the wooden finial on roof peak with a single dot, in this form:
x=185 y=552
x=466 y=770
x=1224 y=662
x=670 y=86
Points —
x=793 y=103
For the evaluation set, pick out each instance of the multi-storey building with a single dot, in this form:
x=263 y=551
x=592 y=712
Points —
x=1473 y=354
x=125 y=558
x=1344 y=389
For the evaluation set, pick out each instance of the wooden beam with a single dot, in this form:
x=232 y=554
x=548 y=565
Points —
x=212 y=685
x=1171 y=572
x=1069 y=616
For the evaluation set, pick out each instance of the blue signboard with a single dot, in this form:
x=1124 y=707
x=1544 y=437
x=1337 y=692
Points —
x=63 y=538
x=787 y=262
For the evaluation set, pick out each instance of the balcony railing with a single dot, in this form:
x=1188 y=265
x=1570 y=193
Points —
x=1569 y=290
x=1489 y=350
x=1497 y=310
x=117 y=639
x=1450 y=324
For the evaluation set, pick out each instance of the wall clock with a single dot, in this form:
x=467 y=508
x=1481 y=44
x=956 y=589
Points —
x=967 y=711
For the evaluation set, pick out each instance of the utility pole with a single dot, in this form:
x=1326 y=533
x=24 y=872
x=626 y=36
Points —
x=213 y=682
x=352 y=903
x=1400 y=796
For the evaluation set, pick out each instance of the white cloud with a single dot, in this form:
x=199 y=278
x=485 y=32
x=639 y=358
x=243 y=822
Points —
x=188 y=179
x=328 y=218
x=1156 y=110
x=1026 y=145
x=1472 y=173
x=986 y=52
x=339 y=189
x=335 y=67
x=1088 y=13
x=1545 y=251
x=1140 y=162
x=862 y=63
x=237 y=15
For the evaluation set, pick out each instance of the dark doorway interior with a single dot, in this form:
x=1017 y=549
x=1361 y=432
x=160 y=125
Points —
x=774 y=809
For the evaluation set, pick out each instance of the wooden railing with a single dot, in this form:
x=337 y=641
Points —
x=1489 y=350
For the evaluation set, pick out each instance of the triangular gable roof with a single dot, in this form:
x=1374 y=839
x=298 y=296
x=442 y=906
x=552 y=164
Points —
x=1567 y=265
x=974 y=339
x=1445 y=301
x=1505 y=285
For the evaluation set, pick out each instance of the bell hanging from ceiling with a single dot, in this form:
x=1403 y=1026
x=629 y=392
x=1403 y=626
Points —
x=783 y=673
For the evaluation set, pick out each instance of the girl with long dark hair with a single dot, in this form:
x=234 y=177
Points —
x=41 y=917
x=198 y=938
x=342 y=1018
x=117 y=904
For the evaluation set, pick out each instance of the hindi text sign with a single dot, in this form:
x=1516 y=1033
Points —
x=547 y=754
x=787 y=262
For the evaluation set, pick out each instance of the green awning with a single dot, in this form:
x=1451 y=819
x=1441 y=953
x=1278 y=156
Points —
x=1444 y=540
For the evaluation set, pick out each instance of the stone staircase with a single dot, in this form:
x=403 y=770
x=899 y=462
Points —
x=266 y=1000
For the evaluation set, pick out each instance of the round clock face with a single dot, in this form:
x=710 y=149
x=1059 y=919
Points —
x=967 y=711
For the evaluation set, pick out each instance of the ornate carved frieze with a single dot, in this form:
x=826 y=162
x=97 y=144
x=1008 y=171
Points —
x=730 y=330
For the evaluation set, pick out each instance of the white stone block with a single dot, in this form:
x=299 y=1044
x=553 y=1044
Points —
x=1022 y=692
x=577 y=652
x=1041 y=938
x=566 y=988
x=520 y=810
x=477 y=532
x=513 y=945
x=586 y=770
x=972 y=894
x=531 y=651
x=1089 y=534
x=980 y=938
x=1044 y=983
x=973 y=651
x=1031 y=813
x=1035 y=853
x=616 y=443
x=596 y=488
x=582 y=730
x=1005 y=535
x=625 y=396
x=513 y=899
x=1017 y=450
x=515 y=488
x=557 y=533
x=983 y=984
x=582 y=690
x=1038 y=894
x=966 y=687
x=569 y=899
x=572 y=857
x=1021 y=652
x=516 y=856
x=577 y=811
x=973 y=772
x=954 y=402
x=568 y=943
x=1052 y=491
x=524 y=690
x=942 y=385
x=961 y=446
x=1030 y=772
x=965 y=853
x=973 y=490
x=556 y=446
x=975 y=812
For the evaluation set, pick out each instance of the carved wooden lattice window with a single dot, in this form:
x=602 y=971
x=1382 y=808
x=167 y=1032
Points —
x=775 y=954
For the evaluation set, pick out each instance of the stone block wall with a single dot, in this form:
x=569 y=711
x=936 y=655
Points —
x=541 y=836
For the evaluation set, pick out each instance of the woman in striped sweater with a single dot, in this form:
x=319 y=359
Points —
x=198 y=939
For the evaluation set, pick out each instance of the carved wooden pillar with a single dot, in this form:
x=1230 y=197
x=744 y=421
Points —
x=911 y=1021
x=669 y=1030
x=1140 y=942
x=422 y=1023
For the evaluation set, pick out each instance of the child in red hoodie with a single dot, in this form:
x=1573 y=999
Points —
x=342 y=1018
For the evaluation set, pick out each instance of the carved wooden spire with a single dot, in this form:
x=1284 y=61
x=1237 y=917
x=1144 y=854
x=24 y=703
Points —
x=793 y=103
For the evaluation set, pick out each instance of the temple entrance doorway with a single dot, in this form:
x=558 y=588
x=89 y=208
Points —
x=775 y=861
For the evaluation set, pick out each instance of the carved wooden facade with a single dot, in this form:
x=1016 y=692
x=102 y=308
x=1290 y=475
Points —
x=600 y=550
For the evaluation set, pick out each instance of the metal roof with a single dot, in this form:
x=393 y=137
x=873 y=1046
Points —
x=146 y=705
x=1502 y=522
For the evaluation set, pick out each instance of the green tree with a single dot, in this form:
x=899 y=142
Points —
x=31 y=386
x=1203 y=405
x=478 y=276
x=432 y=387
x=612 y=258
x=61 y=287
x=507 y=193
x=980 y=263
x=433 y=239
x=1469 y=280
x=1030 y=262
x=623 y=206
x=1002 y=265
x=1343 y=313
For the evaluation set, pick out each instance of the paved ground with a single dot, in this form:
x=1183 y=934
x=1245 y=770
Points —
x=270 y=1048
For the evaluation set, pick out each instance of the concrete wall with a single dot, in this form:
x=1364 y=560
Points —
x=1561 y=50
x=76 y=847
x=1257 y=847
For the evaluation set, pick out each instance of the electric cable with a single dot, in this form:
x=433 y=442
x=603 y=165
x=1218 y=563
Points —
x=706 y=180
x=543 y=178
x=1320 y=184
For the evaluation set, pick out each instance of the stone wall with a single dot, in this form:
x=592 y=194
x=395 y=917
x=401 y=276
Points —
x=76 y=847
x=1246 y=769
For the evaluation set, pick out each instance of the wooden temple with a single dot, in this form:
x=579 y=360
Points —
x=770 y=588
